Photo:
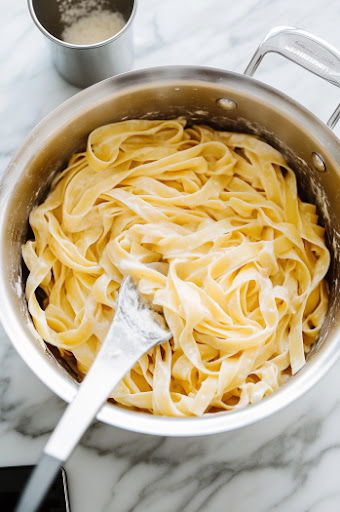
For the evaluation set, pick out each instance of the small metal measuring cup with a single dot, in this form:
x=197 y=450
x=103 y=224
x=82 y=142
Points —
x=84 y=65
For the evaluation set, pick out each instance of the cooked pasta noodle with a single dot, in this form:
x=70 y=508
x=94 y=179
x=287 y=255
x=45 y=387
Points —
x=210 y=226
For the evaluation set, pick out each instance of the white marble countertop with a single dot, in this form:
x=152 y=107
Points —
x=287 y=463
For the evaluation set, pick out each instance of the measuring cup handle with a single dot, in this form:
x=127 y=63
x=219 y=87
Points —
x=304 y=49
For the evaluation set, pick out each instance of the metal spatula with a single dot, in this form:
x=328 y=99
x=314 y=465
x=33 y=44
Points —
x=134 y=330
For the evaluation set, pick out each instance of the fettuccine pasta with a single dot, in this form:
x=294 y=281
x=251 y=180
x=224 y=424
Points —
x=210 y=226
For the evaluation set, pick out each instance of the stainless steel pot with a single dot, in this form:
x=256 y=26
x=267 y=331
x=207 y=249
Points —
x=226 y=100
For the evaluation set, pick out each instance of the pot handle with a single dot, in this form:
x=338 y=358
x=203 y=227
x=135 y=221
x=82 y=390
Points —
x=303 y=49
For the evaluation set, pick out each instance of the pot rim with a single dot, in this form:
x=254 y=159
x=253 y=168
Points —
x=65 y=387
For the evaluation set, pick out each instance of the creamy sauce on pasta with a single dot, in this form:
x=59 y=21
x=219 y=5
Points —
x=210 y=226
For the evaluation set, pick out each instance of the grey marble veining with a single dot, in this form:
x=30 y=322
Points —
x=287 y=463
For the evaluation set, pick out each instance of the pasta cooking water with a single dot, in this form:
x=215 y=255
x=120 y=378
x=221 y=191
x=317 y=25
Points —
x=210 y=226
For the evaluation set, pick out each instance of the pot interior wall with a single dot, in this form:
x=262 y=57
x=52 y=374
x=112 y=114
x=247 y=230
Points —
x=197 y=102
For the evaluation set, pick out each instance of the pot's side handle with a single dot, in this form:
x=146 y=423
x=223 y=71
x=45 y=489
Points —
x=303 y=49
